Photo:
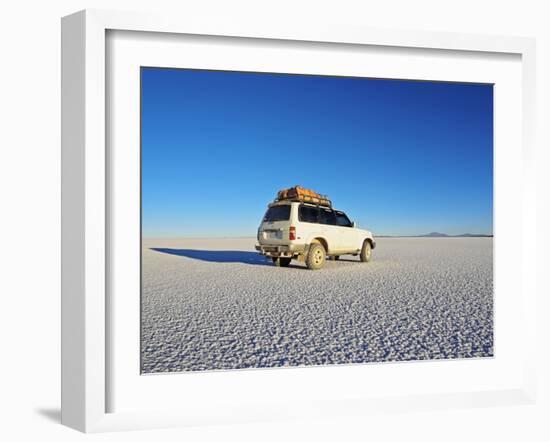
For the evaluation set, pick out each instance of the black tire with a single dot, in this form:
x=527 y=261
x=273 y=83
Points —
x=336 y=258
x=366 y=251
x=316 y=256
x=281 y=262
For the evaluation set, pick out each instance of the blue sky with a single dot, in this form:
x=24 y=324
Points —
x=400 y=157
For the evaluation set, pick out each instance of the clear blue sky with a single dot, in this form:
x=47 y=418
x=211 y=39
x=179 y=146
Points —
x=400 y=157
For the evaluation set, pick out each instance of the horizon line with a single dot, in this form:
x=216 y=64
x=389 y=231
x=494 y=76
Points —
x=462 y=235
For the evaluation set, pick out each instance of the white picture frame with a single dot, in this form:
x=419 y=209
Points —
x=86 y=314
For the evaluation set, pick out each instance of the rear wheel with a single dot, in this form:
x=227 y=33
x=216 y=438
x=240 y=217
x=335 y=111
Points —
x=281 y=262
x=315 y=257
x=366 y=251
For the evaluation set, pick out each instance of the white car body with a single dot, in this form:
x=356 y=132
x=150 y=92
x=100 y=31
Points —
x=332 y=228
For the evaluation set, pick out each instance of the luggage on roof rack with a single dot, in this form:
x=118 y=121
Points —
x=298 y=193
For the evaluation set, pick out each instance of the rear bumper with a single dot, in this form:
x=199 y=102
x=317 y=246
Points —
x=280 y=250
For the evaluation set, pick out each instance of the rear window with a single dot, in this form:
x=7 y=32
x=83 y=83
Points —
x=278 y=213
x=308 y=214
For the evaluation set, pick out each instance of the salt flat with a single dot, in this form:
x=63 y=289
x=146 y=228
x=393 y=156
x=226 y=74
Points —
x=217 y=304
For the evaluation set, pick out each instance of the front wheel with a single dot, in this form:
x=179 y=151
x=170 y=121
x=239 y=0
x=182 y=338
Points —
x=366 y=251
x=281 y=262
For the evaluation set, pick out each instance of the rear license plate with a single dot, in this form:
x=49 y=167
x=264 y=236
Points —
x=273 y=234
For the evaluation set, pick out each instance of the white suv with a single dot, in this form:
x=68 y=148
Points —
x=310 y=233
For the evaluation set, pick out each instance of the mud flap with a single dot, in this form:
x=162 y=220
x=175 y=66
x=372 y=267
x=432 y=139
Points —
x=302 y=256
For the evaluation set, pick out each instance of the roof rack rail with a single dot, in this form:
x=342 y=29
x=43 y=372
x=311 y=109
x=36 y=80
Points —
x=314 y=201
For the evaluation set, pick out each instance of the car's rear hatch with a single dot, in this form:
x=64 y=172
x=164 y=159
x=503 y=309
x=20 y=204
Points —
x=274 y=229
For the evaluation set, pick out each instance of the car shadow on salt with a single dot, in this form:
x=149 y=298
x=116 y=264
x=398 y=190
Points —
x=221 y=256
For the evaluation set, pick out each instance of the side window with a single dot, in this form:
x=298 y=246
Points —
x=308 y=214
x=342 y=219
x=326 y=216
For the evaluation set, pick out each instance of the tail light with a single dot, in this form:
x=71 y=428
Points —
x=292 y=233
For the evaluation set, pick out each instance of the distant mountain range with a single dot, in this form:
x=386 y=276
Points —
x=443 y=235
x=438 y=235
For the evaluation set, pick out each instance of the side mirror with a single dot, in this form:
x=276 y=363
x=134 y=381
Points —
x=353 y=224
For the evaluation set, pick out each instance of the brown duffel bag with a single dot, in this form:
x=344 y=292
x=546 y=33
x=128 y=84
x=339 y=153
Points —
x=301 y=194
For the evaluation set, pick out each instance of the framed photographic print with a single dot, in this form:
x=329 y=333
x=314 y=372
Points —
x=252 y=212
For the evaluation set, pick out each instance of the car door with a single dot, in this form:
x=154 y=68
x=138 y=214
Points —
x=308 y=218
x=347 y=233
x=331 y=232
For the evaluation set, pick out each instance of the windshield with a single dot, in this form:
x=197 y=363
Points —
x=278 y=213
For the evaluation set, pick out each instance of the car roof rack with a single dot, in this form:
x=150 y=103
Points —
x=300 y=194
